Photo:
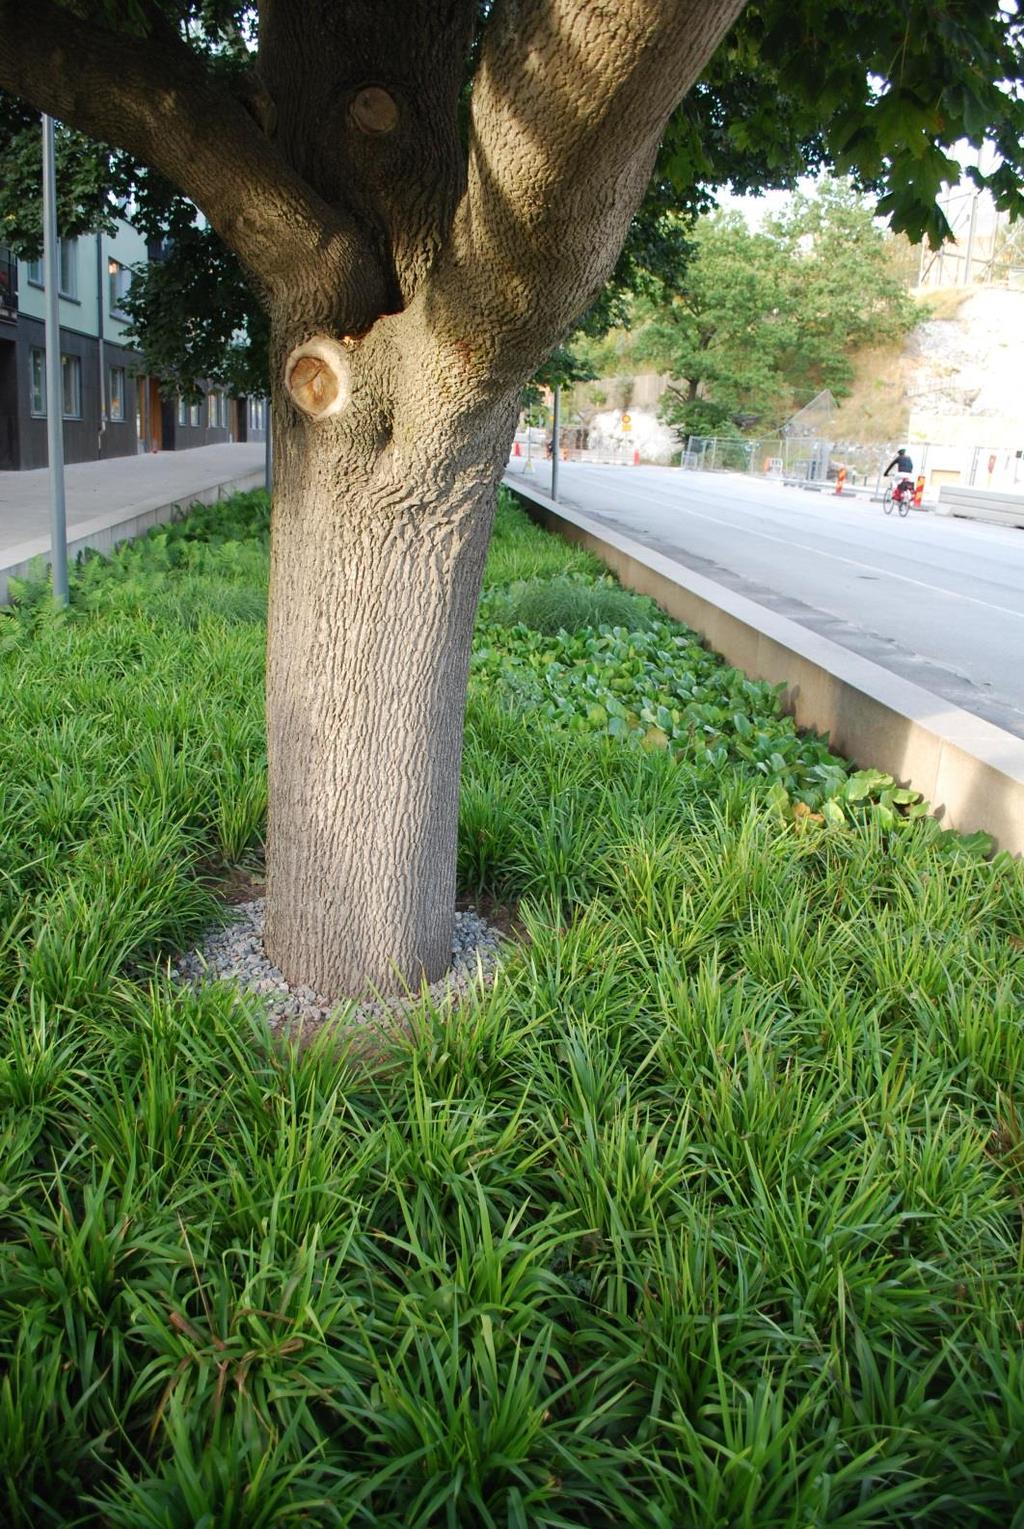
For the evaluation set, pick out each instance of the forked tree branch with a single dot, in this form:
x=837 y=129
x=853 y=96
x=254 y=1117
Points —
x=153 y=96
x=366 y=107
x=569 y=104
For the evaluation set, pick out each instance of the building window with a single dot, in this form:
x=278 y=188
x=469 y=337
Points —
x=71 y=382
x=116 y=393
x=182 y=411
x=217 y=412
x=257 y=413
x=194 y=414
x=37 y=382
x=69 y=268
x=120 y=279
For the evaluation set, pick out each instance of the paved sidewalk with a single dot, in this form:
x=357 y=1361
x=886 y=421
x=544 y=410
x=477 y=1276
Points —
x=110 y=501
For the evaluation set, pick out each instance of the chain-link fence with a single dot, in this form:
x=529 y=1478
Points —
x=813 y=460
x=803 y=450
x=808 y=459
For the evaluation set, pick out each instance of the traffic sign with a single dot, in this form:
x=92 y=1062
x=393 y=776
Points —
x=627 y=423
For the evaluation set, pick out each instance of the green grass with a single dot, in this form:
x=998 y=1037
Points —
x=709 y=1214
x=565 y=604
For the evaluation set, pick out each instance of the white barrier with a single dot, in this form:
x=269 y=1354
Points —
x=982 y=504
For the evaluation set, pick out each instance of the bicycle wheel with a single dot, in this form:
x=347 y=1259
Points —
x=887 y=499
x=904 y=505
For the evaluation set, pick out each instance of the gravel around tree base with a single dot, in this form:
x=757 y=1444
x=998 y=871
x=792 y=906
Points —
x=236 y=954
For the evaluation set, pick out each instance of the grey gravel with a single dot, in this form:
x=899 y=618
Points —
x=236 y=954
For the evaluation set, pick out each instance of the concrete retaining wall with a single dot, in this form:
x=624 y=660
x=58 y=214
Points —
x=971 y=772
x=982 y=504
x=105 y=532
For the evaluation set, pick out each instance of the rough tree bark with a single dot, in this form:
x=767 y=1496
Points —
x=413 y=285
x=377 y=557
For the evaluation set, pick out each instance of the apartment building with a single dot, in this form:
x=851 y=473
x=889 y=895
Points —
x=110 y=407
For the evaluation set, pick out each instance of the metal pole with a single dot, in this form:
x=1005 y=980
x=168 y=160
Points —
x=54 y=384
x=99 y=346
x=554 y=441
x=970 y=239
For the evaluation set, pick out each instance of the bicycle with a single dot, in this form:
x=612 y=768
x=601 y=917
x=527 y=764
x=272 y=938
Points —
x=900 y=494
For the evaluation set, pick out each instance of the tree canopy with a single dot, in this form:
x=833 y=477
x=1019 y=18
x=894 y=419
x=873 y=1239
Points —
x=882 y=90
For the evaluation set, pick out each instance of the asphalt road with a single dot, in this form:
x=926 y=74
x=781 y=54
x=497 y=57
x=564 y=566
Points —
x=937 y=600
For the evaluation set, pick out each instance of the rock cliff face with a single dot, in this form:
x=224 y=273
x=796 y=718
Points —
x=964 y=386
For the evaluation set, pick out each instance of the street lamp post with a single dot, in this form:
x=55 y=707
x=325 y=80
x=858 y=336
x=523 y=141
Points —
x=555 y=412
x=54 y=382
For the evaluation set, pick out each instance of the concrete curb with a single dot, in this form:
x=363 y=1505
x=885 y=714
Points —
x=104 y=532
x=971 y=772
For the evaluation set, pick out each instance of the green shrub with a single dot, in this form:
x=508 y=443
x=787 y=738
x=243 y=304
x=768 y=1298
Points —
x=568 y=605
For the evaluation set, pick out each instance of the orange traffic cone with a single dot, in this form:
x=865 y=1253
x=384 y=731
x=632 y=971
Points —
x=636 y=456
x=515 y=450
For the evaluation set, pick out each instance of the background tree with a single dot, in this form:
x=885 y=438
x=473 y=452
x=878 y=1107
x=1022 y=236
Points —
x=725 y=335
x=848 y=286
x=421 y=199
x=764 y=320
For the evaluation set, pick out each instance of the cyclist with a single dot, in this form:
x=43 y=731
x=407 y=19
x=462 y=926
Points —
x=904 y=466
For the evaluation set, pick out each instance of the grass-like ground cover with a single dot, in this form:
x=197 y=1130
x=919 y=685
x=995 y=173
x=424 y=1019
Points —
x=709 y=1214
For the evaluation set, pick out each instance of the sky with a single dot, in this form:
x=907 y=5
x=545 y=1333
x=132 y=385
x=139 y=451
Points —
x=756 y=208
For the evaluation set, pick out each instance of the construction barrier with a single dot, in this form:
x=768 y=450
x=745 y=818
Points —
x=840 y=480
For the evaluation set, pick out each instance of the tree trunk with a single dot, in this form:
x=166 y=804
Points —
x=374 y=587
x=416 y=260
